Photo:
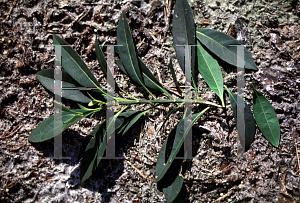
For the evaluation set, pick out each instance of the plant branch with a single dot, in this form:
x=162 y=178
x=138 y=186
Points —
x=196 y=101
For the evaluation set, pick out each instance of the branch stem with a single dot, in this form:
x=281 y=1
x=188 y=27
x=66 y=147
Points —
x=196 y=101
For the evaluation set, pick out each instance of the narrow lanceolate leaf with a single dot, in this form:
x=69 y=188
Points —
x=46 y=129
x=164 y=160
x=127 y=51
x=74 y=65
x=173 y=190
x=174 y=77
x=248 y=119
x=63 y=108
x=84 y=108
x=128 y=121
x=103 y=63
x=218 y=43
x=210 y=71
x=46 y=77
x=168 y=116
x=118 y=123
x=148 y=77
x=133 y=120
x=100 y=57
x=121 y=66
x=172 y=181
x=152 y=83
x=183 y=31
x=92 y=151
x=266 y=118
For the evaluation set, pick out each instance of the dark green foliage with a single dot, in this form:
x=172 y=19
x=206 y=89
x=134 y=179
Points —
x=248 y=117
x=266 y=118
x=168 y=169
x=210 y=71
x=46 y=130
x=219 y=43
x=174 y=77
x=46 y=78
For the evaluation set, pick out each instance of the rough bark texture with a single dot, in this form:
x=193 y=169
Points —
x=265 y=174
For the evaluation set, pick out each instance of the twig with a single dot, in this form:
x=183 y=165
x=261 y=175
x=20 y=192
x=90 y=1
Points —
x=297 y=157
x=138 y=171
x=150 y=56
x=34 y=197
x=140 y=44
x=167 y=18
x=146 y=155
x=11 y=8
x=14 y=131
x=295 y=136
x=224 y=196
x=68 y=15
x=79 y=18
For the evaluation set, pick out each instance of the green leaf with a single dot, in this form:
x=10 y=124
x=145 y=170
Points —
x=127 y=51
x=45 y=130
x=84 y=108
x=102 y=61
x=93 y=152
x=173 y=190
x=133 y=120
x=183 y=31
x=172 y=181
x=164 y=161
x=75 y=66
x=266 y=118
x=162 y=89
x=92 y=103
x=100 y=57
x=167 y=117
x=174 y=77
x=249 y=120
x=123 y=120
x=218 y=43
x=210 y=71
x=84 y=146
x=120 y=65
x=148 y=77
x=46 y=78
x=63 y=108
x=130 y=62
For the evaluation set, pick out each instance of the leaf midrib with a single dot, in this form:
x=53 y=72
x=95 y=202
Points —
x=131 y=61
x=220 y=45
x=80 y=68
x=171 y=158
x=213 y=77
x=263 y=112
x=64 y=126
